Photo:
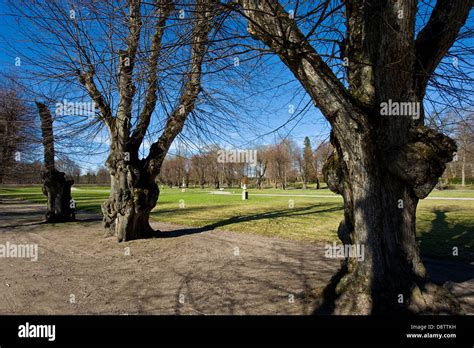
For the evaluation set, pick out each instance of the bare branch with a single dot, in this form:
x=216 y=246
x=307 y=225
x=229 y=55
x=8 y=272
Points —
x=126 y=63
x=87 y=80
x=175 y=122
x=439 y=34
x=269 y=22
x=163 y=8
x=47 y=135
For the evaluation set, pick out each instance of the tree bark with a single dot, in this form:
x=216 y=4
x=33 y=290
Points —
x=385 y=168
x=60 y=207
x=57 y=188
x=379 y=213
x=134 y=193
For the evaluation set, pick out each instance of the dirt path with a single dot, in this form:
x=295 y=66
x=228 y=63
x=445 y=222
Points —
x=189 y=271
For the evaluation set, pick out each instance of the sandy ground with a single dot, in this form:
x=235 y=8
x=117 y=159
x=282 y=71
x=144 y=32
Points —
x=186 y=271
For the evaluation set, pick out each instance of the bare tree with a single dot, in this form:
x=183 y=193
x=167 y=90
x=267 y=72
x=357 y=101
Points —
x=17 y=138
x=166 y=173
x=69 y=167
x=307 y=163
x=199 y=167
x=261 y=167
x=464 y=135
x=321 y=155
x=118 y=64
x=383 y=164
x=134 y=191
x=103 y=177
x=281 y=165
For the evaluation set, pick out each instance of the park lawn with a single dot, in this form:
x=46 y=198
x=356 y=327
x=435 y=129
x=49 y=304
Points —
x=292 y=217
x=452 y=193
x=441 y=224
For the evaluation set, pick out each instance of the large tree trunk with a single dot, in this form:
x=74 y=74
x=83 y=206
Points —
x=379 y=214
x=134 y=193
x=60 y=207
x=383 y=169
x=384 y=163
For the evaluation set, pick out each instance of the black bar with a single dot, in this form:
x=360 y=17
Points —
x=224 y=330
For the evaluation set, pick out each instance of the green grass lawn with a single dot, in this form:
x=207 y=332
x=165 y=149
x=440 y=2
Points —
x=309 y=215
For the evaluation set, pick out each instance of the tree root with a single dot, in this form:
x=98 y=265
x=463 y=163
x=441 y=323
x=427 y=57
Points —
x=348 y=294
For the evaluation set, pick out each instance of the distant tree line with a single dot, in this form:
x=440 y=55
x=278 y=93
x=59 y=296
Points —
x=278 y=165
x=461 y=169
x=18 y=136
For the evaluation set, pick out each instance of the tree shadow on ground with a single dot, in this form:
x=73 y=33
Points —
x=33 y=215
x=446 y=267
x=187 y=210
x=458 y=235
x=289 y=212
x=44 y=222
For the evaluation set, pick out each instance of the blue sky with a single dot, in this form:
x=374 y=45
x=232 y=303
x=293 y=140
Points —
x=264 y=120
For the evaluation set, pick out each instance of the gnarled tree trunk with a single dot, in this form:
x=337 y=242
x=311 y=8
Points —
x=60 y=207
x=134 y=194
x=384 y=163
x=381 y=192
